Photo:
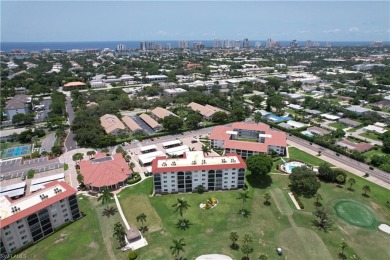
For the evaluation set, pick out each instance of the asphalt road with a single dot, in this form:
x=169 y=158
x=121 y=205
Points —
x=379 y=174
x=70 y=143
x=48 y=142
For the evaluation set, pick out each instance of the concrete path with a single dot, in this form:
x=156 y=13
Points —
x=48 y=142
x=118 y=205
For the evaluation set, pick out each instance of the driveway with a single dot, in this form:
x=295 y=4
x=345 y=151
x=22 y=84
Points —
x=48 y=142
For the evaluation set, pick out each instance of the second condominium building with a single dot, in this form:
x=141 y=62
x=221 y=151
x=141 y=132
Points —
x=172 y=175
x=248 y=139
x=30 y=219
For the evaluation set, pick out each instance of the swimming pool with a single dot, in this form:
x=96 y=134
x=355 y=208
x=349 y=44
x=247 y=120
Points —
x=307 y=133
x=287 y=167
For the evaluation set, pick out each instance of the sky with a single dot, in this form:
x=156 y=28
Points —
x=58 y=21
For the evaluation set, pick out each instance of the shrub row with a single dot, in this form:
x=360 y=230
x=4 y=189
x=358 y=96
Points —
x=136 y=179
x=298 y=200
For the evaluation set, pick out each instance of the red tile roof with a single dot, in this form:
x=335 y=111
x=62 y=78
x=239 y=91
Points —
x=198 y=167
x=106 y=173
x=278 y=138
x=68 y=191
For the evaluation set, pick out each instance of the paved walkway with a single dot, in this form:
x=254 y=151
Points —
x=118 y=205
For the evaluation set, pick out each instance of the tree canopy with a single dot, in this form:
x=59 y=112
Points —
x=304 y=182
x=260 y=164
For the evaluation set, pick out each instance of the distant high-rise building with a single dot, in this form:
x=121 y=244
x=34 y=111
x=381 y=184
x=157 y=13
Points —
x=257 y=45
x=159 y=46
x=226 y=44
x=308 y=44
x=142 y=46
x=168 y=46
x=121 y=47
x=197 y=45
x=236 y=44
x=328 y=45
x=217 y=43
x=294 y=44
x=245 y=43
x=269 y=43
x=183 y=44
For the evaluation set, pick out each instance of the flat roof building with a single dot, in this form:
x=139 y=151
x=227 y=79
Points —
x=248 y=139
x=32 y=218
x=173 y=92
x=173 y=175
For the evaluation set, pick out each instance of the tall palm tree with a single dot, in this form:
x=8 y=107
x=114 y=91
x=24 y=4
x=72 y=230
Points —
x=181 y=206
x=243 y=196
x=109 y=211
x=351 y=182
x=106 y=196
x=206 y=149
x=178 y=246
x=267 y=197
x=91 y=153
x=119 y=233
x=366 y=189
x=141 y=218
x=131 y=165
x=318 y=197
x=343 y=245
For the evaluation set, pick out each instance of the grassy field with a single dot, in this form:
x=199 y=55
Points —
x=370 y=136
x=338 y=125
x=373 y=152
x=296 y=154
x=87 y=238
x=354 y=129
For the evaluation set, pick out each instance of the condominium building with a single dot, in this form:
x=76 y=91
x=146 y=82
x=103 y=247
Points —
x=247 y=139
x=111 y=124
x=30 y=219
x=172 y=175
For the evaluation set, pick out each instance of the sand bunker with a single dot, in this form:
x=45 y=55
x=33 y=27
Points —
x=214 y=257
x=385 y=228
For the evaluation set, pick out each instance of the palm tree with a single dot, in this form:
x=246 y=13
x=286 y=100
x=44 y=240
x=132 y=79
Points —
x=340 y=179
x=183 y=224
x=181 y=206
x=178 y=246
x=366 y=189
x=351 y=182
x=141 y=218
x=80 y=178
x=206 y=149
x=131 y=165
x=91 y=153
x=77 y=157
x=343 y=245
x=318 y=197
x=105 y=196
x=109 y=211
x=119 y=233
x=267 y=197
x=243 y=196
x=233 y=237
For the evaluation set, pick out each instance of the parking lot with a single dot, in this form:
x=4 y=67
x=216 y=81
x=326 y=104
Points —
x=16 y=168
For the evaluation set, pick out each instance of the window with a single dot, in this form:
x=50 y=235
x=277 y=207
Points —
x=11 y=244
x=25 y=242
x=54 y=215
x=233 y=177
x=203 y=175
x=7 y=233
x=6 y=227
x=203 y=171
x=226 y=173
x=12 y=249
x=63 y=205
x=173 y=185
x=24 y=237
x=61 y=200
x=165 y=181
x=22 y=232
x=10 y=238
x=172 y=176
x=17 y=222
x=164 y=177
x=65 y=215
x=195 y=179
x=226 y=178
x=165 y=186
x=173 y=181
x=64 y=210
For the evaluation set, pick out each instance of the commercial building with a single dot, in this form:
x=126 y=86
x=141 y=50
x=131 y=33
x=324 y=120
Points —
x=105 y=171
x=30 y=219
x=172 y=175
x=173 y=92
x=318 y=131
x=111 y=124
x=358 y=110
x=74 y=85
x=248 y=139
x=19 y=104
x=153 y=78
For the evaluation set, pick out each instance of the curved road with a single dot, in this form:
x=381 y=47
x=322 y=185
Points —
x=70 y=144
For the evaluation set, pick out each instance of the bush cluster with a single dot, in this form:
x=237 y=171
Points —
x=298 y=200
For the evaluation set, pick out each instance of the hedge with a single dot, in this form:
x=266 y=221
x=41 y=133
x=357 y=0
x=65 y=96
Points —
x=298 y=200
x=134 y=180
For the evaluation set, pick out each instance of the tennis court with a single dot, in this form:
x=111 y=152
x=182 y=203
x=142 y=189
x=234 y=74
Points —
x=16 y=151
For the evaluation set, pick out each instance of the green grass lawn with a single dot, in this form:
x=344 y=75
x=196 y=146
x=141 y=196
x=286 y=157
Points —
x=338 y=125
x=370 y=136
x=87 y=238
x=354 y=129
x=369 y=154
x=296 y=154
x=246 y=140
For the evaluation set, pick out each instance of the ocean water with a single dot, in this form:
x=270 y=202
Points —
x=64 y=46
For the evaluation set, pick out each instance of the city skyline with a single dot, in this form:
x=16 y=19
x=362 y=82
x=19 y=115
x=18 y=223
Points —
x=30 y=21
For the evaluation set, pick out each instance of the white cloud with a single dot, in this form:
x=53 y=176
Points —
x=353 y=29
x=332 y=31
